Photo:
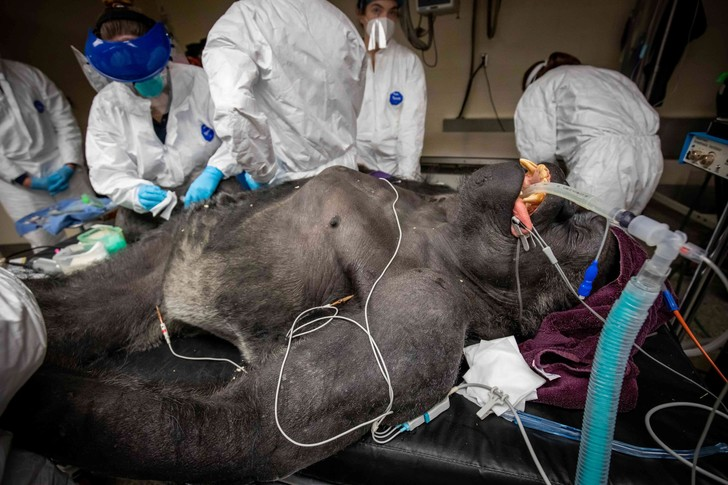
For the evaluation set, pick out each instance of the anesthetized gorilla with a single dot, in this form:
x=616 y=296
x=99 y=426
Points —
x=242 y=268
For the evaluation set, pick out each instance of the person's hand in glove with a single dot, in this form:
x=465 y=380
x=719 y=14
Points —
x=203 y=186
x=59 y=180
x=251 y=183
x=54 y=183
x=150 y=195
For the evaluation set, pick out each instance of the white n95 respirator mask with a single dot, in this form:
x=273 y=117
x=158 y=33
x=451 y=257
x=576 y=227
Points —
x=380 y=31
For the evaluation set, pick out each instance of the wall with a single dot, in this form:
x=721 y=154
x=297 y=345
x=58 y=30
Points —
x=527 y=31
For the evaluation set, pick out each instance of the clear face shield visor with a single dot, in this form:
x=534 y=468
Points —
x=130 y=61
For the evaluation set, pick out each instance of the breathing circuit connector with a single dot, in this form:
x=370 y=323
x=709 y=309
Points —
x=692 y=252
x=624 y=218
x=431 y=414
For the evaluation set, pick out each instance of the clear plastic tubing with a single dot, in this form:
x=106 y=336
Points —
x=587 y=201
x=619 y=332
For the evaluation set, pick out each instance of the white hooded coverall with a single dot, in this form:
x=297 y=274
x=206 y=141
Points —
x=287 y=79
x=391 y=125
x=600 y=124
x=23 y=345
x=123 y=150
x=38 y=135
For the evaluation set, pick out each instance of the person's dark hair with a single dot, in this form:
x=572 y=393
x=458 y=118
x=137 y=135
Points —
x=361 y=5
x=119 y=19
x=554 y=60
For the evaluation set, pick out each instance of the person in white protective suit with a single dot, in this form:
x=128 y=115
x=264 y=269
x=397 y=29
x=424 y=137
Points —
x=287 y=79
x=22 y=349
x=598 y=122
x=41 y=157
x=391 y=124
x=152 y=130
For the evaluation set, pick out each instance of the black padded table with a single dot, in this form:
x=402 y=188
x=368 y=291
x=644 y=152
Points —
x=459 y=448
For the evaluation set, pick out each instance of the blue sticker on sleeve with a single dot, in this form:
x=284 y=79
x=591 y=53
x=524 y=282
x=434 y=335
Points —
x=207 y=132
x=395 y=98
x=39 y=107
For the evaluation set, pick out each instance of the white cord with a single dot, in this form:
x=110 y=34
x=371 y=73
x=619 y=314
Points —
x=375 y=422
x=167 y=338
x=669 y=450
x=604 y=240
x=717 y=270
x=704 y=434
x=504 y=397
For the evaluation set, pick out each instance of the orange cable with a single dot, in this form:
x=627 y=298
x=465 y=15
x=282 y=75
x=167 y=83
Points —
x=694 y=339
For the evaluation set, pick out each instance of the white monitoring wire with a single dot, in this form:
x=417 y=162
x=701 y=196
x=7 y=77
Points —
x=167 y=338
x=504 y=397
x=704 y=434
x=669 y=450
x=374 y=422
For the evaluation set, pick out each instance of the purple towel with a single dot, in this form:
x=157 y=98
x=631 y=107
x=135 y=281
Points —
x=566 y=341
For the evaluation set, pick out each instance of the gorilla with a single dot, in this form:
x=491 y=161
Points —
x=241 y=268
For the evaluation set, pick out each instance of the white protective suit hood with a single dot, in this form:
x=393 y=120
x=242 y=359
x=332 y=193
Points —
x=599 y=123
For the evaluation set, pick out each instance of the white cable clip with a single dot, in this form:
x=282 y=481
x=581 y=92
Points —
x=496 y=397
x=517 y=224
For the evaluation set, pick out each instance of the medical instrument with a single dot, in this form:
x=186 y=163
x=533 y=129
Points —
x=593 y=270
x=437 y=7
x=111 y=237
x=621 y=326
x=294 y=332
x=672 y=304
x=552 y=427
x=78 y=256
x=168 y=339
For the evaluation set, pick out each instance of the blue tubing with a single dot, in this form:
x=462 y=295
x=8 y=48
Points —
x=605 y=384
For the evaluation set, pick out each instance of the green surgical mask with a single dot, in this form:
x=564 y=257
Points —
x=151 y=88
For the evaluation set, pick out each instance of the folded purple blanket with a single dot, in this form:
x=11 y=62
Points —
x=566 y=341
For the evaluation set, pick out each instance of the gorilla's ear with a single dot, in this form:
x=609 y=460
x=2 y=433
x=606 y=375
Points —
x=568 y=209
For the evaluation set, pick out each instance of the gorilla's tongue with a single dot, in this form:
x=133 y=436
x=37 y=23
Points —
x=520 y=211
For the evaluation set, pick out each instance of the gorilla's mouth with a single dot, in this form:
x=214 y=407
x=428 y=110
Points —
x=524 y=207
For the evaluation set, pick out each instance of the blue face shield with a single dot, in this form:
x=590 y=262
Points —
x=130 y=61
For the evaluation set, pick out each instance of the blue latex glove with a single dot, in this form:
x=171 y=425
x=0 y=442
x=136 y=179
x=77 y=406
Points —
x=150 y=195
x=59 y=180
x=39 y=183
x=252 y=184
x=203 y=186
x=54 y=183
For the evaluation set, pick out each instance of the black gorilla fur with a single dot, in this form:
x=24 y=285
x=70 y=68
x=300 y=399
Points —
x=242 y=268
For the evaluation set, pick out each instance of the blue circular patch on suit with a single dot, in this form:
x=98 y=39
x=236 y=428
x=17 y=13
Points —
x=395 y=98
x=207 y=132
x=39 y=107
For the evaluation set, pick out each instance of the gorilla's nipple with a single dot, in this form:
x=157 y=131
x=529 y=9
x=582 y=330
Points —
x=334 y=222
